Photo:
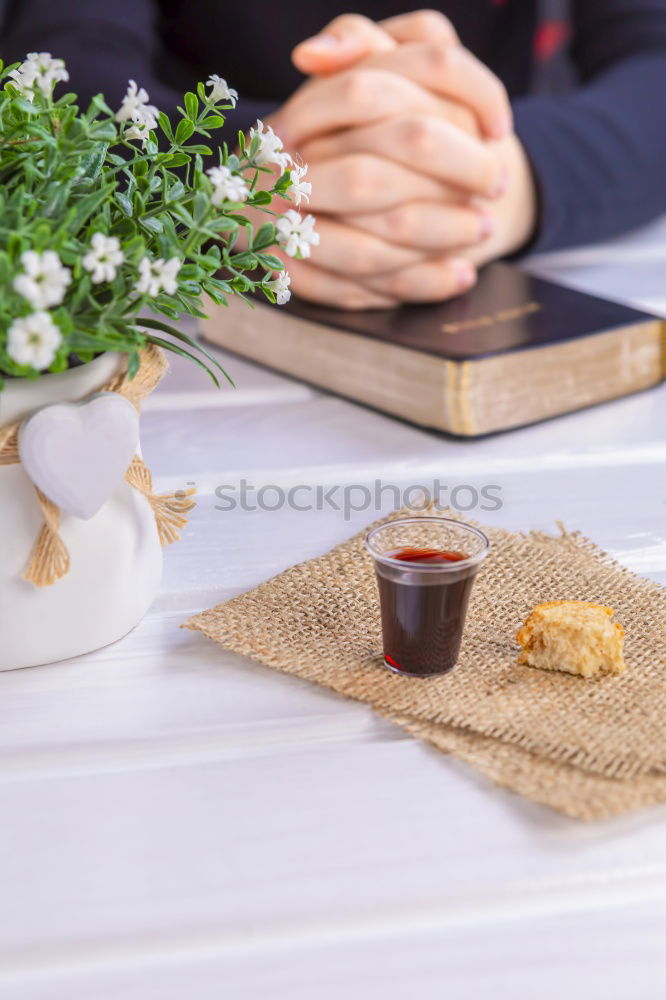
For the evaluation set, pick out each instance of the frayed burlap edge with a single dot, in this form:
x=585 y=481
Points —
x=562 y=787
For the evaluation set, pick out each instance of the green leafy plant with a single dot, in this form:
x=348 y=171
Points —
x=107 y=216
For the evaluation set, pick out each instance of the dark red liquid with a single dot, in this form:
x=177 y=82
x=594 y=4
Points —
x=427 y=555
x=422 y=624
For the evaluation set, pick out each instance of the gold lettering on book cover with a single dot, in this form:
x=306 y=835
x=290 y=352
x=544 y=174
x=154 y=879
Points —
x=502 y=316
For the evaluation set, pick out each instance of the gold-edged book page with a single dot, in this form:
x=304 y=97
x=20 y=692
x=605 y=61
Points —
x=521 y=387
x=466 y=398
x=407 y=383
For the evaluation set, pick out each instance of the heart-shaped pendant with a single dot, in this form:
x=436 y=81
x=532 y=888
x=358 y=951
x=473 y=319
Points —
x=77 y=453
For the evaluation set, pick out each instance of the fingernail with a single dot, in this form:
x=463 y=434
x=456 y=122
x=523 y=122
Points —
x=464 y=273
x=486 y=225
x=502 y=183
x=322 y=43
x=501 y=127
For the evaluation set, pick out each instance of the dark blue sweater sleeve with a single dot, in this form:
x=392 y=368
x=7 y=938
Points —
x=122 y=37
x=599 y=153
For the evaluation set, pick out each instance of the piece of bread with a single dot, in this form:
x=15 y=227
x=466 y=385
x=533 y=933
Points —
x=575 y=636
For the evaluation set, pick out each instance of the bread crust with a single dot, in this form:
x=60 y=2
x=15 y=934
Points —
x=577 y=637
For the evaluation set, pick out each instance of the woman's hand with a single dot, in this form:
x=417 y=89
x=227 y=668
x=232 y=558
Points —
x=408 y=196
x=378 y=166
x=429 y=54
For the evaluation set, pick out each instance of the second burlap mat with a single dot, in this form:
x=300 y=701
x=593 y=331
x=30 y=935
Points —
x=587 y=748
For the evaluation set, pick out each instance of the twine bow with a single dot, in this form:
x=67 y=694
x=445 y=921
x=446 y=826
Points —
x=49 y=560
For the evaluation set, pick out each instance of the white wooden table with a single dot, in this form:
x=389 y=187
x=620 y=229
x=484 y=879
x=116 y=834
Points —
x=177 y=823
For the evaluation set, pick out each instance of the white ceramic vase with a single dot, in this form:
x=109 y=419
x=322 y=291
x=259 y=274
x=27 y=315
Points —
x=116 y=557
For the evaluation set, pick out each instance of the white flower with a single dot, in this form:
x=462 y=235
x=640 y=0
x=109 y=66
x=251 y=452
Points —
x=24 y=79
x=135 y=108
x=104 y=258
x=44 y=281
x=280 y=286
x=296 y=234
x=227 y=186
x=270 y=147
x=158 y=275
x=221 y=91
x=40 y=72
x=140 y=132
x=33 y=340
x=299 y=188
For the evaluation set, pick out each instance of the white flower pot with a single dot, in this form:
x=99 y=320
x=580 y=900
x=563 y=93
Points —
x=116 y=557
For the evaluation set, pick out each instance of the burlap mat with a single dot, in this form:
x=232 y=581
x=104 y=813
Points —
x=561 y=786
x=553 y=737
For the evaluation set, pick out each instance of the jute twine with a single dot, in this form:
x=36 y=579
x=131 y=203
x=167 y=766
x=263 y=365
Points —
x=588 y=748
x=49 y=560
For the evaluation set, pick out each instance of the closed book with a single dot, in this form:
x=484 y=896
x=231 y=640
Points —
x=514 y=350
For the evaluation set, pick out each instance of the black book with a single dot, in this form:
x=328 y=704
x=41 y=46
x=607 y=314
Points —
x=513 y=350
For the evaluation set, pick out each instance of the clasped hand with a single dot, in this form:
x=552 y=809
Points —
x=417 y=177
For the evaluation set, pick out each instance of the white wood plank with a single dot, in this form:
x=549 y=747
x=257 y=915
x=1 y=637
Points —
x=163 y=696
x=328 y=440
x=611 y=952
x=329 y=846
